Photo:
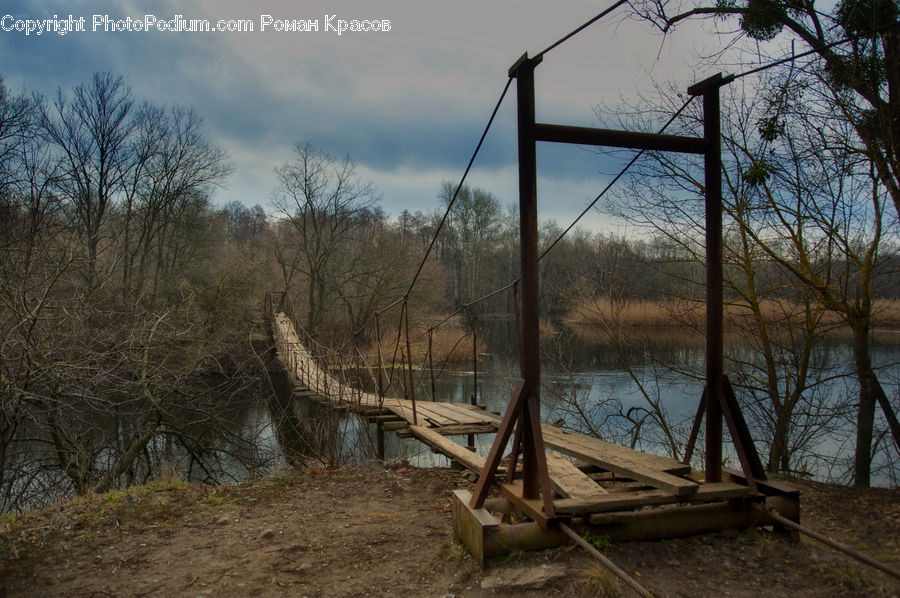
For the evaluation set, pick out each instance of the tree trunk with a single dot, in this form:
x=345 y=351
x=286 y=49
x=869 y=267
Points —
x=865 y=415
x=778 y=455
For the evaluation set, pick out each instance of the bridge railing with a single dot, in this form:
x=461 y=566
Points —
x=392 y=372
x=324 y=370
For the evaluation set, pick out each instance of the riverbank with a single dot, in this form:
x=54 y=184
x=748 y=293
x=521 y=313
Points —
x=375 y=531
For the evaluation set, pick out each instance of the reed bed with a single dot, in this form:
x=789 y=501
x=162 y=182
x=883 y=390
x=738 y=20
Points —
x=451 y=343
x=684 y=313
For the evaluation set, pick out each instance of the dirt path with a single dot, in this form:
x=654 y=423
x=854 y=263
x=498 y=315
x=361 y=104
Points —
x=371 y=531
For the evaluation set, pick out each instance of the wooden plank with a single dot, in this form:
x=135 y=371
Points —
x=438 y=414
x=649 y=461
x=533 y=507
x=460 y=429
x=389 y=417
x=426 y=409
x=370 y=402
x=561 y=439
x=631 y=500
x=620 y=460
x=622 y=454
x=484 y=517
x=460 y=454
x=570 y=481
x=402 y=408
x=446 y=417
x=767 y=486
x=462 y=413
x=373 y=411
x=394 y=426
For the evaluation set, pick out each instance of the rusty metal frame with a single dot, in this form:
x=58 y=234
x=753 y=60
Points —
x=523 y=411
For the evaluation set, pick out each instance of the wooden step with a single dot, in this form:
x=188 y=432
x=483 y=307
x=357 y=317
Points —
x=458 y=453
x=460 y=429
x=599 y=503
x=650 y=469
x=394 y=426
x=570 y=481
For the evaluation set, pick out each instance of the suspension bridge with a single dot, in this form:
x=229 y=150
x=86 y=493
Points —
x=596 y=481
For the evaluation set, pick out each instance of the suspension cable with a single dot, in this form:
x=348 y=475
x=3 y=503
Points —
x=614 y=181
x=584 y=26
x=552 y=46
x=459 y=186
x=621 y=173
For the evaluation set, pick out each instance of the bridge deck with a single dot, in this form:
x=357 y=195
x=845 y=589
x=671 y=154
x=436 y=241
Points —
x=588 y=475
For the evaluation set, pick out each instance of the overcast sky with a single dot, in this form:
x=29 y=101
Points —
x=407 y=104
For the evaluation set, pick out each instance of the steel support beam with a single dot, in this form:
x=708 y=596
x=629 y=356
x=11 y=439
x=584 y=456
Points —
x=535 y=477
x=613 y=138
x=525 y=407
x=715 y=339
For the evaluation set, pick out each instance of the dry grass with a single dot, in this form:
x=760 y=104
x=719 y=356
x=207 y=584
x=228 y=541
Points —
x=886 y=312
x=602 y=311
x=449 y=343
x=600 y=582
x=681 y=313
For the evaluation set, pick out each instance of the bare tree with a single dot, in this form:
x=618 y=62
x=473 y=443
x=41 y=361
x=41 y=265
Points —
x=318 y=198
x=15 y=119
x=863 y=75
x=823 y=215
x=91 y=130
x=472 y=232
x=96 y=393
x=142 y=145
x=172 y=171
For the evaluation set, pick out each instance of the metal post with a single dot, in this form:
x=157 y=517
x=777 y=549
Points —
x=474 y=367
x=715 y=339
x=515 y=299
x=412 y=391
x=431 y=364
x=528 y=231
x=474 y=398
x=380 y=368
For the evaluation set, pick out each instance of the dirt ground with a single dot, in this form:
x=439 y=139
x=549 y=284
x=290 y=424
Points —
x=376 y=531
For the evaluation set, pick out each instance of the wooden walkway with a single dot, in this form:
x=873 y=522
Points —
x=588 y=475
